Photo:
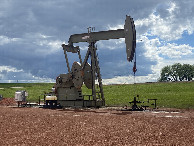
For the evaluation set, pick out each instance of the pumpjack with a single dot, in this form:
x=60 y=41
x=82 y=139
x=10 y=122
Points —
x=68 y=86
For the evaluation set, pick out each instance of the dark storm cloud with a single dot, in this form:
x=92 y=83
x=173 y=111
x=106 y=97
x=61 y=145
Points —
x=69 y=17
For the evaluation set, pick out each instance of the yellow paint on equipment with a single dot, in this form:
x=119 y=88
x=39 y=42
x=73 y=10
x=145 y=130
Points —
x=51 y=98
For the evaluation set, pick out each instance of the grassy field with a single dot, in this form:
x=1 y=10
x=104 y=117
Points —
x=169 y=95
x=34 y=89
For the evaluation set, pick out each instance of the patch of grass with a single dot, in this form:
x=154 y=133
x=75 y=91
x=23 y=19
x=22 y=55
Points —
x=34 y=89
x=169 y=95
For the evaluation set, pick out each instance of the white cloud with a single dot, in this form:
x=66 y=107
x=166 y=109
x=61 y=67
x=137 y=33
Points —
x=155 y=48
x=176 y=51
x=49 y=46
x=9 y=69
x=130 y=79
x=10 y=74
x=171 y=27
x=151 y=47
x=115 y=27
x=6 y=40
x=112 y=44
x=172 y=7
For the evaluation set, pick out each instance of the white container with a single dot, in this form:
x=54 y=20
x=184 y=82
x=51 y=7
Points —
x=20 y=96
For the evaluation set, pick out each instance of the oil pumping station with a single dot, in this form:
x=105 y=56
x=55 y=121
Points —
x=68 y=86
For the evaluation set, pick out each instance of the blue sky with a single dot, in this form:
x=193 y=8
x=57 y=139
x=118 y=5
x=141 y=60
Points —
x=31 y=34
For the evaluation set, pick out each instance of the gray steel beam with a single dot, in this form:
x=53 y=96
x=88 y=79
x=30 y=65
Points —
x=96 y=36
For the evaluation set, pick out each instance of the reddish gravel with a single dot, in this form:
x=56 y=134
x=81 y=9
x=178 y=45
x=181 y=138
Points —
x=7 y=102
x=36 y=126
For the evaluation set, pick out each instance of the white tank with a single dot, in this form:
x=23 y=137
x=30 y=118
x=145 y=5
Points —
x=20 y=96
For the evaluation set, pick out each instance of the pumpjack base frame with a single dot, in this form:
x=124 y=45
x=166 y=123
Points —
x=81 y=103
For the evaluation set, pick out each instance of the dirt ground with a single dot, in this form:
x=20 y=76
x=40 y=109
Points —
x=106 y=126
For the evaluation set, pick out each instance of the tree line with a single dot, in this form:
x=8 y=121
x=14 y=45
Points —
x=177 y=72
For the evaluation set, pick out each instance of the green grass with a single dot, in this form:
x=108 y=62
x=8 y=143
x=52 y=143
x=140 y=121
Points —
x=34 y=89
x=169 y=95
x=172 y=95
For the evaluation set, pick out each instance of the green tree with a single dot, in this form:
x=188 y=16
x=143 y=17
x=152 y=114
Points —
x=177 y=72
x=188 y=72
x=165 y=74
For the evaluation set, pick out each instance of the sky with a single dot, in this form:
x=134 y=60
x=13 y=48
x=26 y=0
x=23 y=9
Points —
x=31 y=34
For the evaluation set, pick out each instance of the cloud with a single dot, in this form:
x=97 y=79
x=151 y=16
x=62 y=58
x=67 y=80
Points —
x=168 y=22
x=175 y=51
x=35 y=53
x=10 y=74
x=31 y=34
x=130 y=79
x=6 y=40
x=9 y=69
